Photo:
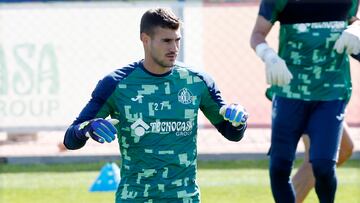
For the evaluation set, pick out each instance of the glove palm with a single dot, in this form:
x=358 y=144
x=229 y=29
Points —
x=277 y=73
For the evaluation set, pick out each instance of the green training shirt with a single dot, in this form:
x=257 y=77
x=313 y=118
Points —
x=157 y=132
x=308 y=31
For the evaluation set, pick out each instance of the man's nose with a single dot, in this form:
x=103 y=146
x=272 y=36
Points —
x=174 y=47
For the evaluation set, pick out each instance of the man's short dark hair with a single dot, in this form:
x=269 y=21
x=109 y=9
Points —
x=158 y=17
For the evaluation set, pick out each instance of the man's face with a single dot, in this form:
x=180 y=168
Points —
x=163 y=47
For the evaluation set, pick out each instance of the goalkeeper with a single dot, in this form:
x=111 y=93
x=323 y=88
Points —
x=310 y=79
x=154 y=106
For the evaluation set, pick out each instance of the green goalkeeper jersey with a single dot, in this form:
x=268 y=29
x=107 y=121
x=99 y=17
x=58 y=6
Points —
x=157 y=132
x=308 y=31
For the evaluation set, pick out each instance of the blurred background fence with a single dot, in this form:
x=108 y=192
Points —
x=53 y=53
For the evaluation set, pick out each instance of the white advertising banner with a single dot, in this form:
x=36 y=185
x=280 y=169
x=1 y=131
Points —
x=53 y=55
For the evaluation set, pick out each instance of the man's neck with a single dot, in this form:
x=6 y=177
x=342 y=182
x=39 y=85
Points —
x=155 y=68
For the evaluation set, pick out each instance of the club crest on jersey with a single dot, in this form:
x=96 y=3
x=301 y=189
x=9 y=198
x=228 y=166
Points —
x=185 y=96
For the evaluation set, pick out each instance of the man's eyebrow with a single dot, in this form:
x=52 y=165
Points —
x=169 y=39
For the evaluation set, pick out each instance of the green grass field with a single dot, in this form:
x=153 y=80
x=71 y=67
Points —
x=221 y=181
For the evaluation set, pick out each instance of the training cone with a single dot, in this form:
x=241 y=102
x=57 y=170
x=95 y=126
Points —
x=108 y=179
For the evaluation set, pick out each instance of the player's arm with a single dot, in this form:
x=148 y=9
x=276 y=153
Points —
x=260 y=31
x=235 y=121
x=357 y=56
x=98 y=129
x=230 y=120
x=349 y=40
x=354 y=21
x=91 y=122
x=277 y=72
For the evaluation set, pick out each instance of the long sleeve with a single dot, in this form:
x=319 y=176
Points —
x=71 y=141
x=357 y=57
x=230 y=132
x=211 y=102
x=97 y=107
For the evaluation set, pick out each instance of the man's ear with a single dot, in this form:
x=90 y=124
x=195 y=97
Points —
x=144 y=38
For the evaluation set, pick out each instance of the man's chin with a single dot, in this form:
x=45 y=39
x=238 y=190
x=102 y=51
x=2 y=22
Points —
x=169 y=64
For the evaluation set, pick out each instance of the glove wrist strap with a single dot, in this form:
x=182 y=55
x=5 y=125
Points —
x=80 y=132
x=265 y=52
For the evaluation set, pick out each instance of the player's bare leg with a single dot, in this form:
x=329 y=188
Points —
x=346 y=146
x=303 y=180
